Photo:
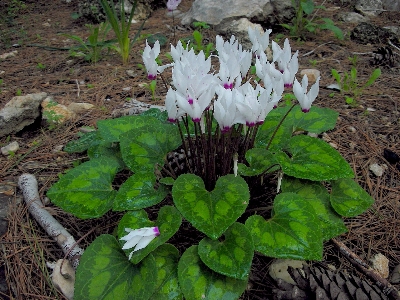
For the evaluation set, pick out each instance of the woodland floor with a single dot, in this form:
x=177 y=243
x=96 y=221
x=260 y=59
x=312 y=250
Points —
x=361 y=135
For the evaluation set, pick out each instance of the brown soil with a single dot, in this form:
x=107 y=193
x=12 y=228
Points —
x=360 y=135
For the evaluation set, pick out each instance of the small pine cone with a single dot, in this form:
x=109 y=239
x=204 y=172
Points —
x=318 y=283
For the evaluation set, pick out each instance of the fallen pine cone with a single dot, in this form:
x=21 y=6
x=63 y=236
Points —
x=318 y=283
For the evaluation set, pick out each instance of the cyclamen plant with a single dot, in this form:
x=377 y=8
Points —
x=225 y=139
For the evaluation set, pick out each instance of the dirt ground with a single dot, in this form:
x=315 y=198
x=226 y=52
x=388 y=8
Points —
x=361 y=135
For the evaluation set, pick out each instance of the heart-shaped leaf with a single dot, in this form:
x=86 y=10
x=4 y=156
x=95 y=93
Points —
x=167 y=286
x=267 y=129
x=317 y=120
x=313 y=159
x=111 y=129
x=260 y=160
x=348 y=198
x=231 y=257
x=291 y=233
x=138 y=192
x=168 y=222
x=104 y=272
x=156 y=113
x=85 y=141
x=145 y=147
x=330 y=223
x=211 y=212
x=199 y=282
x=86 y=190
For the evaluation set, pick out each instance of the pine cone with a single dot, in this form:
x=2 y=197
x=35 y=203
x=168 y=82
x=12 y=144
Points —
x=319 y=283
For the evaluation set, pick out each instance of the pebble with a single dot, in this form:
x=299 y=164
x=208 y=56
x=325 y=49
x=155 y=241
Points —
x=351 y=128
x=8 y=54
x=326 y=137
x=380 y=264
x=278 y=269
x=312 y=74
x=315 y=135
x=334 y=145
x=10 y=148
x=377 y=169
x=131 y=73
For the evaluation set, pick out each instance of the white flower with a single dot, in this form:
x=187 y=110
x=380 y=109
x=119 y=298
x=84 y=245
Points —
x=149 y=58
x=290 y=70
x=231 y=53
x=173 y=4
x=225 y=108
x=260 y=40
x=139 y=238
x=248 y=104
x=300 y=91
x=174 y=112
x=281 y=56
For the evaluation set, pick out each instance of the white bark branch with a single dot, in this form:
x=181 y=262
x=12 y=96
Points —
x=28 y=185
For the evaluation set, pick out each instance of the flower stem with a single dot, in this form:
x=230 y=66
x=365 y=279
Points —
x=279 y=125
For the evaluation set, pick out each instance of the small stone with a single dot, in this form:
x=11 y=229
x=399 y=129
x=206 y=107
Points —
x=46 y=24
x=10 y=148
x=326 y=137
x=371 y=109
x=395 y=277
x=380 y=264
x=54 y=112
x=312 y=74
x=351 y=128
x=333 y=145
x=46 y=201
x=64 y=281
x=376 y=169
x=127 y=88
x=312 y=134
x=79 y=108
x=131 y=73
x=86 y=129
x=279 y=269
x=8 y=54
x=58 y=148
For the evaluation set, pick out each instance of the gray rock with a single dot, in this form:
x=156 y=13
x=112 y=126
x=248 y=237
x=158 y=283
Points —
x=353 y=17
x=239 y=28
x=92 y=10
x=10 y=148
x=19 y=112
x=221 y=13
x=393 y=5
x=365 y=33
x=369 y=7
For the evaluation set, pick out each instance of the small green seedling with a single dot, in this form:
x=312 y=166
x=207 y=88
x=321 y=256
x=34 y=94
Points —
x=19 y=92
x=152 y=88
x=305 y=20
x=40 y=66
x=350 y=86
x=198 y=44
x=96 y=42
x=51 y=116
x=201 y=25
x=121 y=27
